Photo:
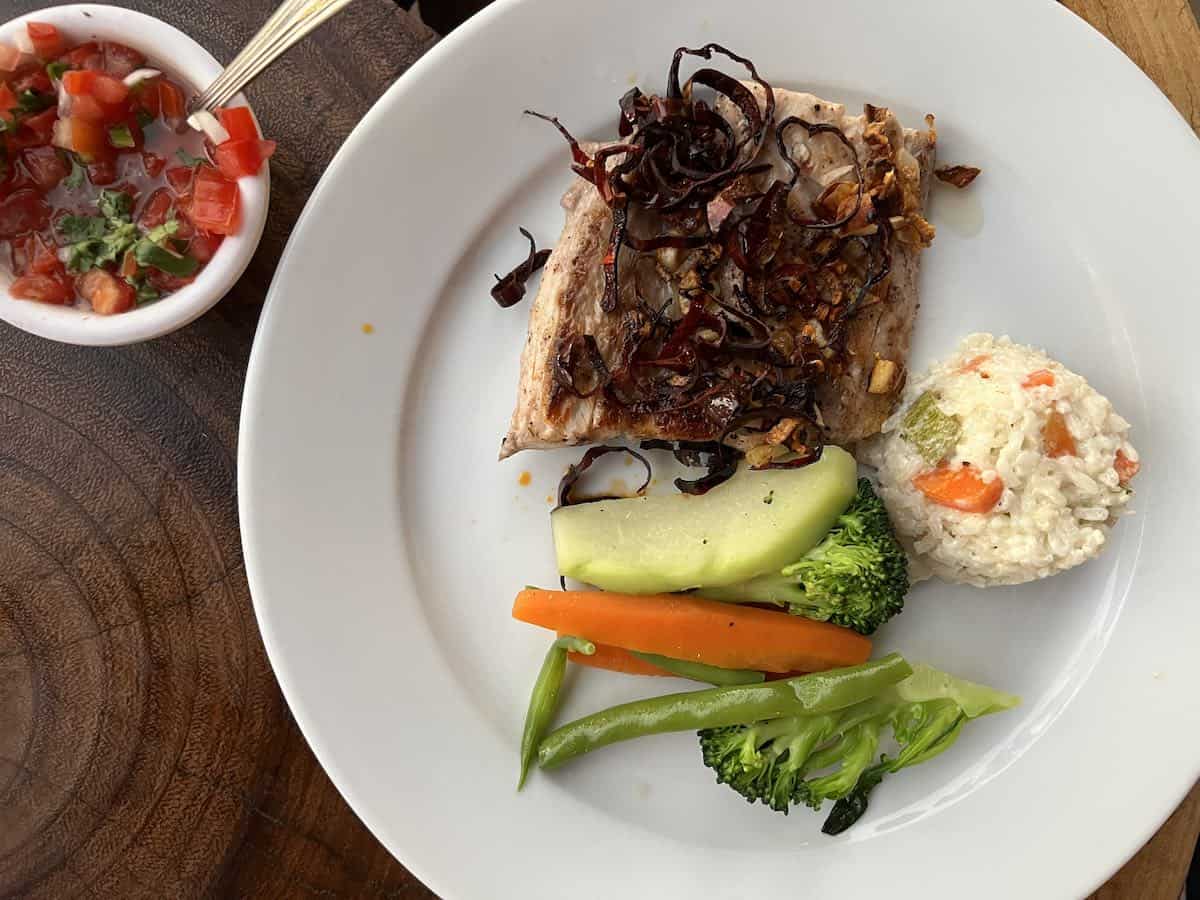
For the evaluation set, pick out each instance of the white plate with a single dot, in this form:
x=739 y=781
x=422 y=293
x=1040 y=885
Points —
x=384 y=542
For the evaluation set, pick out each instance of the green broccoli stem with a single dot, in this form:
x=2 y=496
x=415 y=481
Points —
x=543 y=700
x=812 y=758
x=819 y=692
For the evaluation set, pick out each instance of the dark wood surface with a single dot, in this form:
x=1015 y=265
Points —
x=145 y=750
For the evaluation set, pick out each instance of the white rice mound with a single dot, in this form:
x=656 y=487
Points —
x=1054 y=513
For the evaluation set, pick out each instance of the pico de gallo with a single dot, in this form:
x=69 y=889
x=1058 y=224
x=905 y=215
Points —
x=107 y=198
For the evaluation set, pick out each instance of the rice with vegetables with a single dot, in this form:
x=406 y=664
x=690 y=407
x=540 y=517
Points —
x=1002 y=465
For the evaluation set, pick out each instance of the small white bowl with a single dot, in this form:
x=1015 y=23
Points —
x=183 y=57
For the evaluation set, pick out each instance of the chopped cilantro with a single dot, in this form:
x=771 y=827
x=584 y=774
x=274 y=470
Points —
x=148 y=253
x=97 y=240
x=188 y=160
x=115 y=205
x=162 y=232
x=32 y=102
x=82 y=228
x=121 y=137
x=55 y=69
x=109 y=248
x=146 y=292
x=75 y=179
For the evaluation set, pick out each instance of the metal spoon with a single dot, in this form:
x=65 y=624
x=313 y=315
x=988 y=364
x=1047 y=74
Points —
x=290 y=22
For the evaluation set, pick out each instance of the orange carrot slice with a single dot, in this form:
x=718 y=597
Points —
x=960 y=487
x=1126 y=467
x=1056 y=436
x=973 y=364
x=1039 y=378
x=686 y=627
x=617 y=659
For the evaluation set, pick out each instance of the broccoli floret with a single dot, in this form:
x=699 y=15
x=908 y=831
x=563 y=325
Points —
x=856 y=577
x=806 y=760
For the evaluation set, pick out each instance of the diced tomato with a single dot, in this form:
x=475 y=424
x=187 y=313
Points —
x=34 y=131
x=1039 y=378
x=1126 y=467
x=47 y=42
x=45 y=166
x=37 y=80
x=146 y=97
x=1056 y=436
x=172 y=103
x=84 y=82
x=10 y=58
x=84 y=56
x=184 y=228
x=45 y=288
x=102 y=171
x=8 y=100
x=204 y=246
x=157 y=209
x=180 y=179
x=238 y=158
x=40 y=257
x=239 y=123
x=153 y=164
x=107 y=293
x=23 y=211
x=89 y=139
x=85 y=106
x=120 y=60
x=215 y=202
x=168 y=284
x=960 y=487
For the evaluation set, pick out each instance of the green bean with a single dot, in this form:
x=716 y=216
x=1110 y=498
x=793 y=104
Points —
x=700 y=672
x=819 y=692
x=543 y=700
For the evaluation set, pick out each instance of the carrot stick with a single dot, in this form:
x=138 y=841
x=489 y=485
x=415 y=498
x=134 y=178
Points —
x=686 y=627
x=616 y=659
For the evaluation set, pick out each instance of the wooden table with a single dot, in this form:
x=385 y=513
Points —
x=145 y=750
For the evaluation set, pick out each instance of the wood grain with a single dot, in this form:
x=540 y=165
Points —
x=145 y=750
x=1161 y=36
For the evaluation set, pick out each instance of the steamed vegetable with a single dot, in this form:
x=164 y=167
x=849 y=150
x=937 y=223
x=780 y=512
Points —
x=617 y=659
x=856 y=577
x=961 y=487
x=823 y=692
x=543 y=700
x=754 y=523
x=695 y=629
x=700 y=672
x=831 y=755
x=633 y=662
x=932 y=432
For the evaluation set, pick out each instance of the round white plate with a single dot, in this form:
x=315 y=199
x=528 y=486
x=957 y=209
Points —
x=384 y=542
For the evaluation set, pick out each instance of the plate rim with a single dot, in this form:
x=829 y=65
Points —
x=388 y=102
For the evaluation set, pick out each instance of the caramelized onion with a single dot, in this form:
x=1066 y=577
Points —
x=566 y=487
x=509 y=290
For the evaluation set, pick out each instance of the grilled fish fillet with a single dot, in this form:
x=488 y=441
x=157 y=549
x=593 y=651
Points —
x=568 y=302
